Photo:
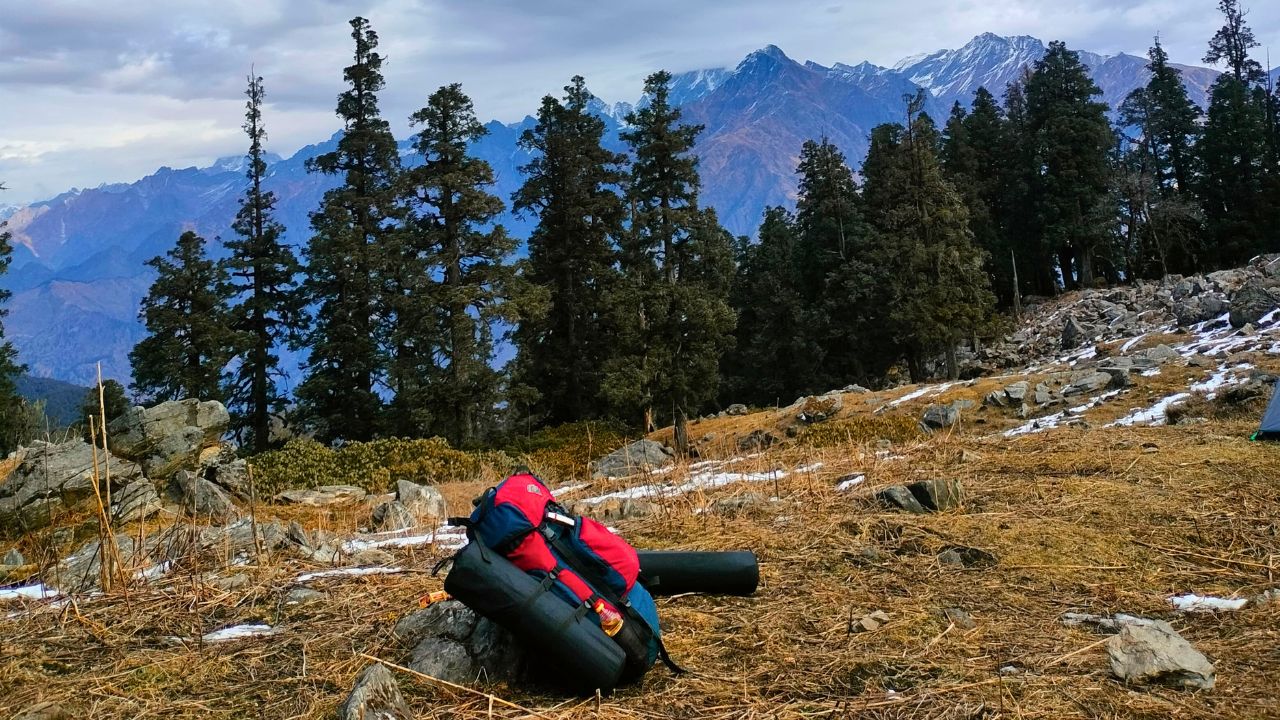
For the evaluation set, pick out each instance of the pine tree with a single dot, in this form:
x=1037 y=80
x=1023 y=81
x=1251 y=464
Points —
x=189 y=341
x=570 y=187
x=1031 y=254
x=339 y=397
x=972 y=158
x=674 y=320
x=269 y=308
x=14 y=410
x=1072 y=139
x=113 y=398
x=450 y=235
x=936 y=293
x=1231 y=45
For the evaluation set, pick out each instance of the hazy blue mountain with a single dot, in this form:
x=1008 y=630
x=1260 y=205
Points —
x=78 y=272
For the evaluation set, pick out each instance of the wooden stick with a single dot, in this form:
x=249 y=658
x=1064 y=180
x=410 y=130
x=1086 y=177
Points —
x=253 y=516
x=1074 y=653
x=105 y=539
x=106 y=454
x=455 y=686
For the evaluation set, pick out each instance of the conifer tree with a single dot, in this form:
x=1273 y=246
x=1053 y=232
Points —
x=339 y=397
x=462 y=260
x=674 y=320
x=268 y=311
x=1231 y=45
x=1072 y=139
x=189 y=340
x=571 y=188
x=972 y=158
x=1032 y=255
x=14 y=410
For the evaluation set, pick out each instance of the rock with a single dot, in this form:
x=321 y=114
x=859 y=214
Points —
x=169 y=436
x=1254 y=300
x=228 y=472
x=44 y=711
x=1156 y=653
x=375 y=696
x=202 y=499
x=1073 y=333
x=854 y=389
x=445 y=659
x=304 y=596
x=937 y=495
x=81 y=570
x=817 y=408
x=1017 y=392
x=869 y=623
x=937 y=417
x=1043 y=394
x=1119 y=375
x=372 y=557
x=756 y=441
x=423 y=501
x=950 y=558
x=323 y=495
x=449 y=619
x=1199 y=309
x=135 y=501
x=1087 y=383
x=495 y=650
x=1200 y=361
x=970 y=557
x=51 y=476
x=393 y=516
x=736 y=504
x=960 y=618
x=1161 y=354
x=736 y=409
x=637 y=457
x=13 y=558
x=615 y=509
x=231 y=582
x=995 y=398
x=901 y=498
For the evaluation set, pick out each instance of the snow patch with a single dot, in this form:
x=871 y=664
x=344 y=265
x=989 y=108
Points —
x=29 y=592
x=851 y=483
x=348 y=572
x=1195 y=603
x=237 y=632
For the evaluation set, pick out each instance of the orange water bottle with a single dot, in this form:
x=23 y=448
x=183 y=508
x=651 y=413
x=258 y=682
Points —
x=433 y=597
x=610 y=619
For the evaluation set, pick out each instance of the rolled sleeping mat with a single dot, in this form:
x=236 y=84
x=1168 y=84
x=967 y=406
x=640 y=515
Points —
x=671 y=572
x=585 y=657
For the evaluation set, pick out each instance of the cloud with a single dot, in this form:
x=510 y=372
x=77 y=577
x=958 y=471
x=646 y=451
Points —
x=134 y=84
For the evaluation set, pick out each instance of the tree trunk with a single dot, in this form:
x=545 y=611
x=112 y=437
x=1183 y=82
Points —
x=681 y=433
x=953 y=365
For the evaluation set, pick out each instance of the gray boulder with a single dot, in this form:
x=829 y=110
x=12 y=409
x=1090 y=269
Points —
x=323 y=496
x=393 y=516
x=202 y=499
x=637 y=457
x=449 y=619
x=13 y=558
x=757 y=440
x=423 y=501
x=1254 y=300
x=136 y=501
x=375 y=695
x=1086 y=383
x=938 y=495
x=1155 y=653
x=1199 y=309
x=1017 y=392
x=52 y=476
x=937 y=417
x=451 y=643
x=229 y=472
x=1074 y=334
x=1042 y=394
x=1159 y=354
x=901 y=498
x=736 y=409
x=170 y=436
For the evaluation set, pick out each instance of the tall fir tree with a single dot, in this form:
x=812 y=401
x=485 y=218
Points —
x=937 y=293
x=571 y=187
x=463 y=262
x=972 y=158
x=189 y=340
x=268 y=311
x=1232 y=43
x=339 y=397
x=1072 y=138
x=1031 y=254
x=674 y=319
x=14 y=410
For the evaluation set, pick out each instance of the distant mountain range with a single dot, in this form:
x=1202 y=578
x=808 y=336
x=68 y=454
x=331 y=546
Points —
x=78 y=274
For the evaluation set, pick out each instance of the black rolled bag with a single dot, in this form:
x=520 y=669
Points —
x=584 y=657
x=671 y=572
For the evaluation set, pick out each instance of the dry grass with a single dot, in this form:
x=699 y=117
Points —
x=1092 y=520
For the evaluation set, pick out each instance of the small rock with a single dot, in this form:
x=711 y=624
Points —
x=231 y=582
x=375 y=695
x=372 y=557
x=1089 y=382
x=1043 y=394
x=323 y=496
x=1161 y=354
x=735 y=504
x=960 y=618
x=967 y=557
x=136 y=501
x=1073 y=333
x=1156 y=653
x=423 y=501
x=393 y=515
x=202 y=499
x=450 y=619
x=13 y=558
x=937 y=495
x=869 y=623
x=445 y=659
x=1017 y=392
x=304 y=596
x=736 y=409
x=901 y=498
x=615 y=509
x=1257 y=298
x=637 y=457
x=1200 y=361
x=756 y=441
x=817 y=408
x=995 y=398
x=937 y=417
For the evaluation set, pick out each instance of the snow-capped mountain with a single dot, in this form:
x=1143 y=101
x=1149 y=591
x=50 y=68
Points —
x=78 y=272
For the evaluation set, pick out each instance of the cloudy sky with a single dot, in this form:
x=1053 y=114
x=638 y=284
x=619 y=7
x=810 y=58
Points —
x=94 y=92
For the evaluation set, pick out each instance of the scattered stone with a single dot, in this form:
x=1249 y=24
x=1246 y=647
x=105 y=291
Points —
x=169 y=436
x=13 y=558
x=1087 y=383
x=1161 y=354
x=231 y=582
x=50 y=477
x=937 y=495
x=135 y=501
x=937 y=417
x=960 y=618
x=901 y=498
x=869 y=623
x=393 y=515
x=1156 y=653
x=817 y=408
x=736 y=504
x=323 y=495
x=1073 y=333
x=375 y=695
x=615 y=509
x=423 y=501
x=202 y=499
x=637 y=457
x=1257 y=298
x=736 y=409
x=44 y=711
x=304 y=596
x=960 y=556
x=756 y=441
x=1043 y=394
x=1017 y=392
x=373 y=557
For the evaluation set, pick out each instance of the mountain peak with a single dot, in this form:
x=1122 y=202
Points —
x=768 y=55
